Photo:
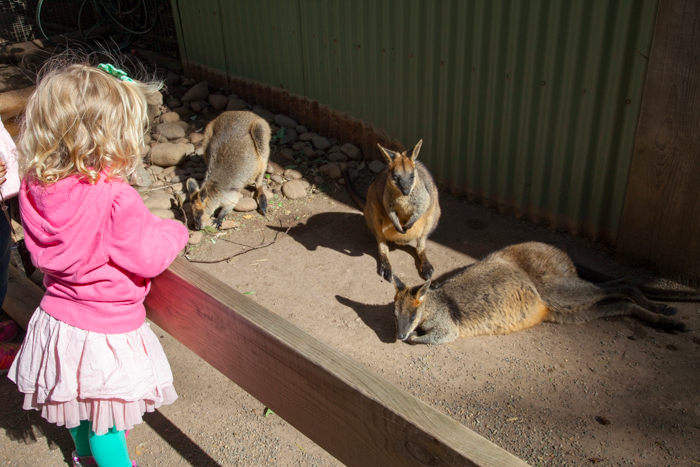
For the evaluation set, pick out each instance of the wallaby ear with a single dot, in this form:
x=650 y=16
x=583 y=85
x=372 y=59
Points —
x=389 y=155
x=192 y=185
x=423 y=291
x=400 y=286
x=416 y=150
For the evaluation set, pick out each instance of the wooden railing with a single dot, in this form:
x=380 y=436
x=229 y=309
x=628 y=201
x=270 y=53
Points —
x=356 y=416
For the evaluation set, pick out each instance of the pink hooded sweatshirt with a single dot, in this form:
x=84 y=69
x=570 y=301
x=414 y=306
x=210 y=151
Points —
x=98 y=245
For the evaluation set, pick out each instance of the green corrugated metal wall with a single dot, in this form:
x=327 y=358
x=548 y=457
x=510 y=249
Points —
x=530 y=105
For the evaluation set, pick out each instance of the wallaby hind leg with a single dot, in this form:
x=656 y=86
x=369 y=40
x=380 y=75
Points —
x=262 y=197
x=618 y=289
x=426 y=269
x=632 y=309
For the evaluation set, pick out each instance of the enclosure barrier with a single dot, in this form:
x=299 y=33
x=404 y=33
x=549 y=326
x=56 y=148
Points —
x=357 y=417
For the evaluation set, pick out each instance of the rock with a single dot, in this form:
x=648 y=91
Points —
x=305 y=184
x=319 y=180
x=168 y=154
x=299 y=145
x=157 y=184
x=266 y=114
x=337 y=157
x=277 y=178
x=246 y=205
x=145 y=150
x=229 y=224
x=301 y=129
x=198 y=92
x=196 y=138
x=174 y=103
x=308 y=151
x=331 y=170
x=146 y=138
x=196 y=238
x=287 y=122
x=306 y=137
x=217 y=101
x=181 y=141
x=141 y=177
x=163 y=213
x=352 y=151
x=172 y=79
x=158 y=138
x=158 y=200
x=274 y=168
x=334 y=149
x=184 y=113
x=292 y=174
x=176 y=91
x=236 y=104
x=170 y=130
x=376 y=166
x=321 y=142
x=169 y=170
x=170 y=117
x=294 y=189
x=183 y=125
x=286 y=154
x=196 y=107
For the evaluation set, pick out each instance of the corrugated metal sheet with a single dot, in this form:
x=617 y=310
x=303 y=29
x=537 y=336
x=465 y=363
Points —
x=529 y=105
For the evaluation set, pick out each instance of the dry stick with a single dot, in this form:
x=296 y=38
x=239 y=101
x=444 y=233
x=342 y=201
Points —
x=240 y=252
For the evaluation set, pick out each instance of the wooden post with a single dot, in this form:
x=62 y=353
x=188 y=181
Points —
x=660 y=226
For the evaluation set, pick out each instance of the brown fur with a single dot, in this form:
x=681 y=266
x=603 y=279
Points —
x=237 y=149
x=402 y=205
x=512 y=289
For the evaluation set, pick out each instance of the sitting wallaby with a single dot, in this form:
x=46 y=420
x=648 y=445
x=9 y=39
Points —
x=402 y=205
x=237 y=149
x=516 y=288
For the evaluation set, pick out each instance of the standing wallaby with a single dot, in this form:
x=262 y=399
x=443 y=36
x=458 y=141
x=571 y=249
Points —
x=237 y=149
x=516 y=288
x=402 y=205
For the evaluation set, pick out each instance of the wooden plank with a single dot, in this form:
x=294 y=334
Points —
x=23 y=297
x=353 y=414
x=660 y=226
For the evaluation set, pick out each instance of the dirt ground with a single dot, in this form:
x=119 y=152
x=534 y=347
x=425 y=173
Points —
x=609 y=393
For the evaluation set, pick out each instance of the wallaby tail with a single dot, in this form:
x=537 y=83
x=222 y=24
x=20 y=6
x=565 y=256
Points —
x=260 y=132
x=652 y=293
x=356 y=197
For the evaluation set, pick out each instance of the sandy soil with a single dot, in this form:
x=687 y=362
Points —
x=610 y=393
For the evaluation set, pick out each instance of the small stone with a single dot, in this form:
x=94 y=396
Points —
x=319 y=180
x=236 y=104
x=286 y=154
x=331 y=170
x=184 y=113
x=157 y=184
x=376 y=166
x=141 y=177
x=308 y=151
x=301 y=129
x=217 y=101
x=306 y=137
x=265 y=114
x=158 y=138
x=172 y=79
x=321 y=142
x=198 y=92
x=163 y=213
x=287 y=122
x=181 y=141
x=292 y=174
x=274 y=168
x=352 y=151
x=170 y=117
x=299 y=145
x=229 y=224
x=146 y=138
x=174 y=103
x=246 y=205
x=196 y=237
x=293 y=189
x=196 y=138
x=335 y=148
x=337 y=157
x=277 y=178
x=170 y=130
x=290 y=135
x=196 y=107
x=168 y=154
x=305 y=184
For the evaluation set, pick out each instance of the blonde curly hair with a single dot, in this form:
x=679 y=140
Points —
x=82 y=120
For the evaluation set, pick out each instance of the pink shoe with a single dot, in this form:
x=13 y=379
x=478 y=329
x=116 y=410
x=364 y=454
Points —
x=8 y=330
x=85 y=461
x=8 y=352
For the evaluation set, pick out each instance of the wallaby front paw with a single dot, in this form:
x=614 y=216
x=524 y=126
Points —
x=385 y=271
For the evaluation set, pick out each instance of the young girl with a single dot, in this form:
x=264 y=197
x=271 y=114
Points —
x=89 y=360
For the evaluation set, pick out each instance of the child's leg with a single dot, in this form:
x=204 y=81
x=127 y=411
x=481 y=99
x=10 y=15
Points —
x=80 y=438
x=109 y=449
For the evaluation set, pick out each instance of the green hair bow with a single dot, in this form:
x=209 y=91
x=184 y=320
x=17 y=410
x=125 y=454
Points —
x=114 y=71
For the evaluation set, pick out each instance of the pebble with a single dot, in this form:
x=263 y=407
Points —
x=287 y=122
x=308 y=151
x=170 y=117
x=352 y=151
x=246 y=205
x=274 y=168
x=170 y=130
x=196 y=237
x=141 y=177
x=196 y=107
x=292 y=174
x=163 y=213
x=301 y=129
x=229 y=224
x=307 y=137
x=169 y=154
x=331 y=170
x=319 y=180
x=266 y=114
x=196 y=138
x=376 y=166
x=337 y=157
x=236 y=104
x=321 y=142
x=198 y=92
x=277 y=178
x=299 y=145
x=217 y=101
x=294 y=189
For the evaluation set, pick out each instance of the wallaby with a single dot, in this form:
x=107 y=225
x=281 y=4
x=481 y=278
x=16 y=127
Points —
x=402 y=205
x=516 y=288
x=237 y=149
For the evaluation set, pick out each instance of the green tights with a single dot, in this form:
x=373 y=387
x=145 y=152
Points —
x=109 y=449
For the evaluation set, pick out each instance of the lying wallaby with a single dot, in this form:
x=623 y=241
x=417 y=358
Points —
x=512 y=289
x=237 y=148
x=402 y=205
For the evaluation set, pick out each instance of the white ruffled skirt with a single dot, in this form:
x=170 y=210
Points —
x=70 y=374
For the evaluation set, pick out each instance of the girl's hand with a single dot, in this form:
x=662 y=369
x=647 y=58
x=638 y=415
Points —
x=3 y=171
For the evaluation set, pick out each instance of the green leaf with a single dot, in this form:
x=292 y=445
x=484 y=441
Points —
x=280 y=133
x=249 y=293
x=210 y=229
x=267 y=412
x=291 y=166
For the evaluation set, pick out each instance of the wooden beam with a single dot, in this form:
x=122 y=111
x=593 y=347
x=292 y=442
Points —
x=660 y=226
x=23 y=297
x=356 y=416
